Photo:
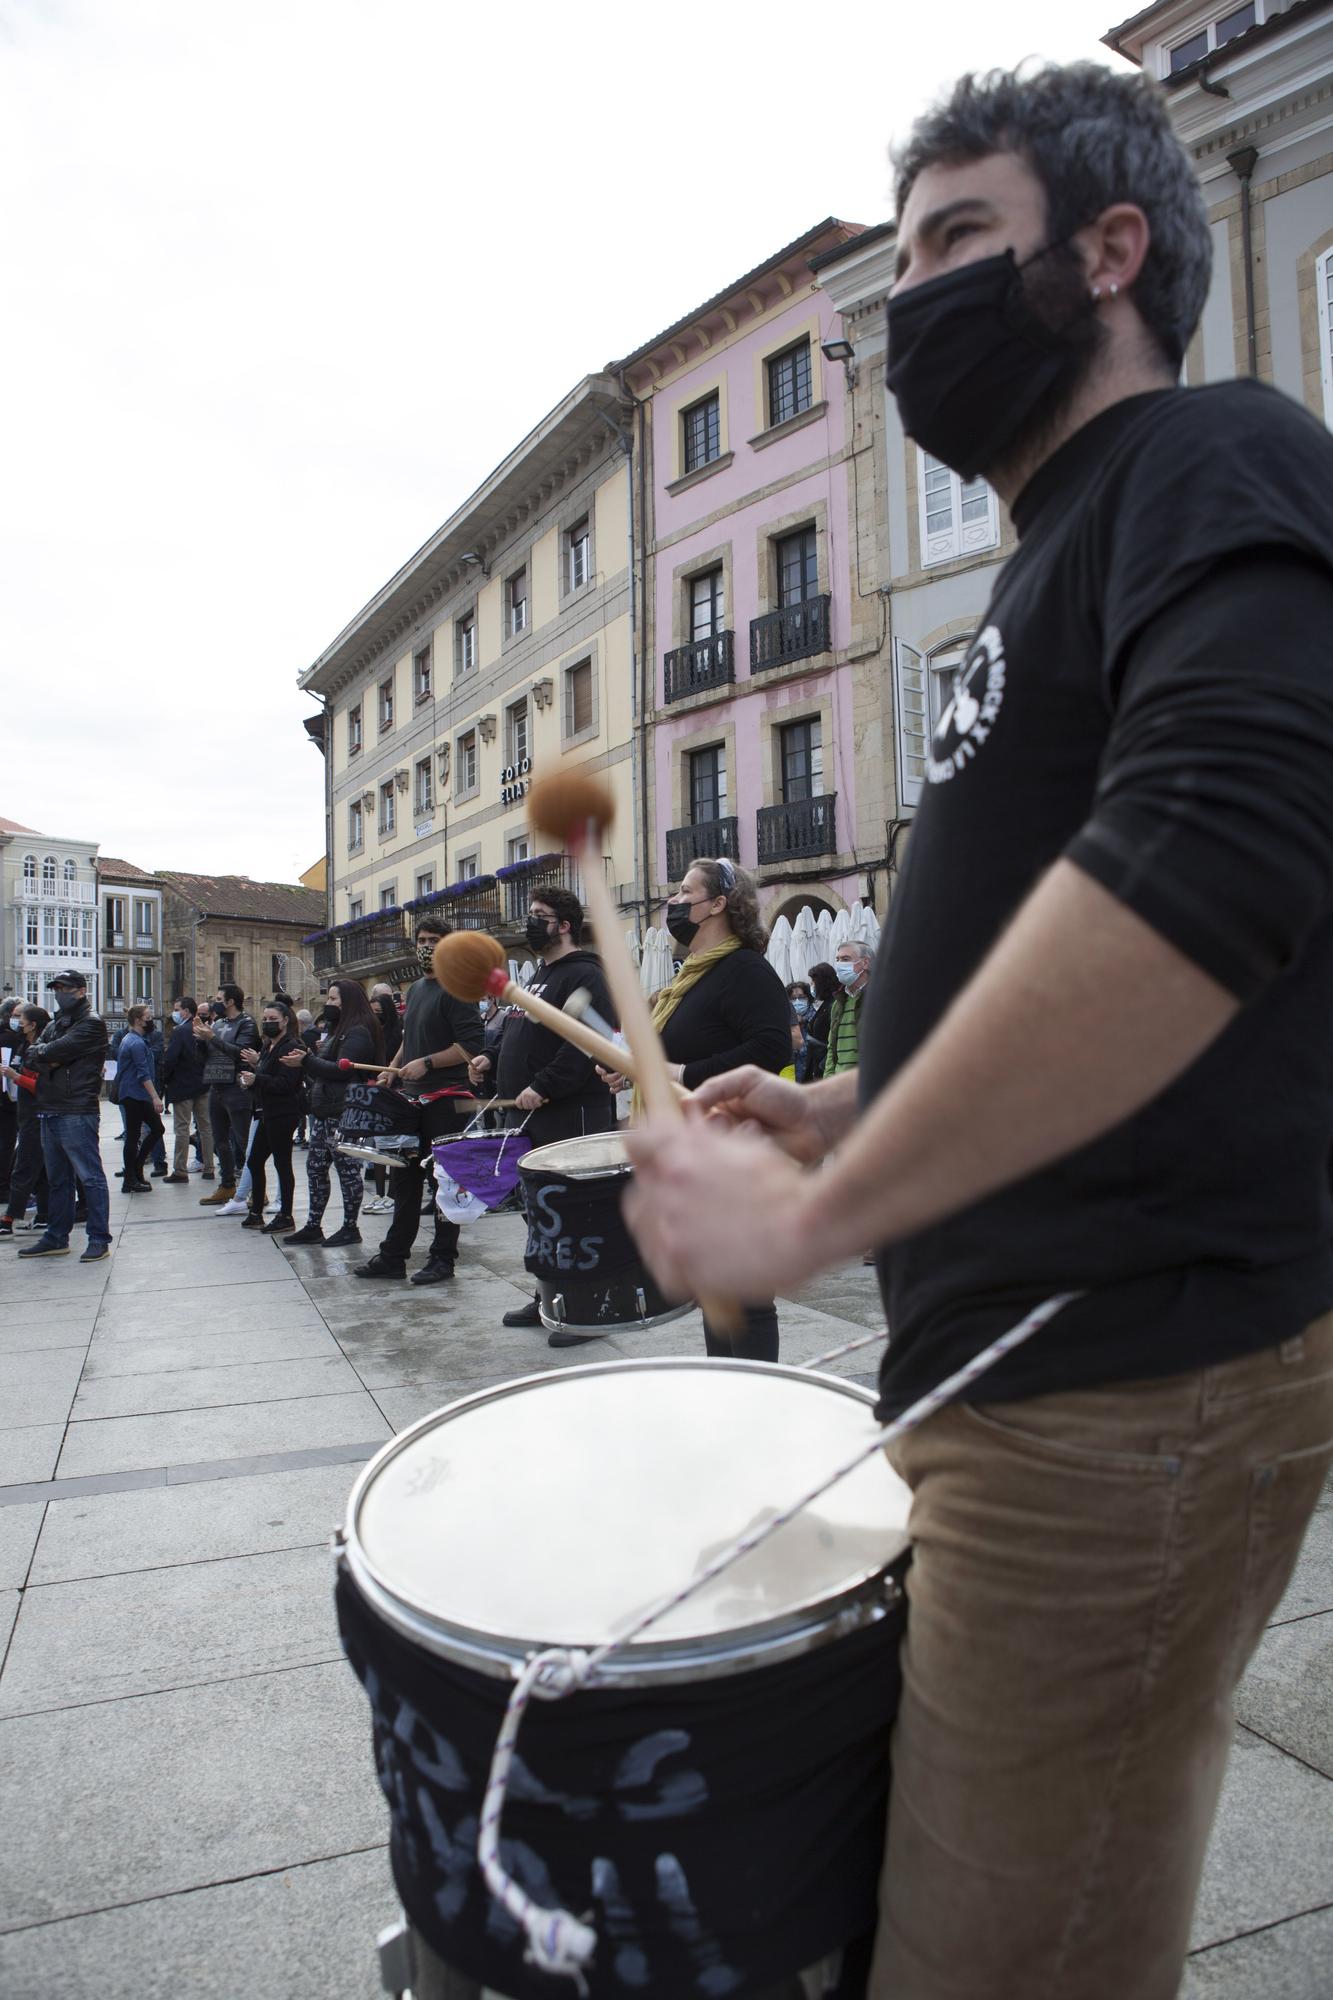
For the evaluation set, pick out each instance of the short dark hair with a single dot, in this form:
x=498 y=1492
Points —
x=1092 y=138
x=234 y=994
x=190 y=1005
x=565 y=907
x=824 y=980
x=32 y=1012
x=432 y=927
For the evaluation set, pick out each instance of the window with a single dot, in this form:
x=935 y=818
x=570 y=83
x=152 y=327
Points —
x=388 y=816
x=143 y=917
x=1323 y=289
x=354 y=731
x=31 y=927
x=386 y=706
x=71 y=871
x=797 y=559
x=421 y=675
x=177 y=974
x=143 y=982
x=48 y=931
x=49 y=872
x=30 y=871
x=957 y=517
x=115 y=916
x=423 y=787
x=708 y=784
x=465 y=639
x=789 y=381
x=578 y=555
x=87 y=929
x=356 y=829
x=356 y=908
x=115 y=979
x=467 y=764
x=467 y=868
x=1215 y=36
x=389 y=896
x=63 y=943
x=942 y=670
x=802 y=753
x=707 y=609
x=426 y=882
x=911 y=702
x=277 y=972
x=578 y=699
x=517 y=848
x=517 y=741
x=226 y=968
x=517 y=599
x=701 y=427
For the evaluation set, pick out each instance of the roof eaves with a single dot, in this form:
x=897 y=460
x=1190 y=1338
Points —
x=874 y=234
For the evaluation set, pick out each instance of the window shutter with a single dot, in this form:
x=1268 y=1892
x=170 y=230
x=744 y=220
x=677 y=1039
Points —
x=938 y=492
x=911 y=715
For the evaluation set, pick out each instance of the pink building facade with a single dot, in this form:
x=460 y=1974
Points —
x=764 y=635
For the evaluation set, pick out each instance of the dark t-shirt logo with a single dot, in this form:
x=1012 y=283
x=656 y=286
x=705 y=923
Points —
x=978 y=694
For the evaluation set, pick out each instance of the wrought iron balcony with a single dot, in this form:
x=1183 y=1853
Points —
x=706 y=839
x=324 y=954
x=797 y=632
x=545 y=871
x=706 y=663
x=798 y=831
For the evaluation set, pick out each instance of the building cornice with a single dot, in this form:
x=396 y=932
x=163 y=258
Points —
x=581 y=430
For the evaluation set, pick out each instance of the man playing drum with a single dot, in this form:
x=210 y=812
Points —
x=1095 y=1057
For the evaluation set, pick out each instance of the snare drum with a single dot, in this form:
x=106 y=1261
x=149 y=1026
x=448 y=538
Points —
x=590 y=1276
x=390 y=1129
x=717 y=1803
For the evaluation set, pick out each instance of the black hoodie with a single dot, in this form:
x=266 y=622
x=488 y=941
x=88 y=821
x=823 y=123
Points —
x=533 y=1055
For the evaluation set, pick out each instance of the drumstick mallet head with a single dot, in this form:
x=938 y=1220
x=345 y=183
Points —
x=469 y=964
x=571 y=808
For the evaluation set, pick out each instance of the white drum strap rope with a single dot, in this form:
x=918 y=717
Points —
x=563 y=1944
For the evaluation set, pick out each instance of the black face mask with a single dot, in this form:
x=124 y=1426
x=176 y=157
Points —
x=272 y=1029
x=332 y=1016
x=65 y=1000
x=680 y=923
x=972 y=363
x=148 y=1026
x=538 y=933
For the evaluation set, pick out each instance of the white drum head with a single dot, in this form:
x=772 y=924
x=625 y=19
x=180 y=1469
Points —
x=550 y=1511
x=577 y=1159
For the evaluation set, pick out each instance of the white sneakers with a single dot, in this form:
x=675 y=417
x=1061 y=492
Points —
x=233 y=1207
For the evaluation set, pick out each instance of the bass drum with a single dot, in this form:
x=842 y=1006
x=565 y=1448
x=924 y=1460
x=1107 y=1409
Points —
x=590 y=1277
x=715 y=1805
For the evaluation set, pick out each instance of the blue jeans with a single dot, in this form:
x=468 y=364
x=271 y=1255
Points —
x=70 y=1149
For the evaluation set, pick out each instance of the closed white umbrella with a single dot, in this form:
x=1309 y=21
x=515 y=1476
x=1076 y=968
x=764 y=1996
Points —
x=779 y=949
x=803 y=953
x=823 y=938
x=840 y=932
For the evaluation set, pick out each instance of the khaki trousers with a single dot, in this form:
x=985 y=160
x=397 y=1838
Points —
x=186 y=1111
x=1091 y=1572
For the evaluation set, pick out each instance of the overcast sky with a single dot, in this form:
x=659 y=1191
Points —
x=284 y=280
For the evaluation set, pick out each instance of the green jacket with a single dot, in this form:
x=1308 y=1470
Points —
x=844 y=1033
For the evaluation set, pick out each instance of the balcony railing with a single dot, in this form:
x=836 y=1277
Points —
x=798 y=831
x=706 y=663
x=26 y=891
x=797 y=632
x=558 y=871
x=706 y=839
x=324 y=954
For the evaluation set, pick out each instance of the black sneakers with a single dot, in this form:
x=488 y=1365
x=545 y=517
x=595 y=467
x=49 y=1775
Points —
x=378 y=1267
x=433 y=1272
x=528 y=1315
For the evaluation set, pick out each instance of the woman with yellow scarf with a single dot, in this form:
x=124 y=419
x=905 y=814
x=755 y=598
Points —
x=726 y=1006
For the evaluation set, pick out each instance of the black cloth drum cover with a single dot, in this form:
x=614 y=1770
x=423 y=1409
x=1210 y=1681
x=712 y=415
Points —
x=371 y=1111
x=580 y=1251
x=723 y=1834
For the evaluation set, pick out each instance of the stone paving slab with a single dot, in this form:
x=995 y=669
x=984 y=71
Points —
x=123 y=1444
x=1271 y=1854
x=231 y=1273
x=39 y=1388
x=9 y=1607
x=143 y=1797
x=304 y=1933
x=29 y=1454
x=213 y=1387
x=1290 y=1961
x=110 y=1533
x=51 y=1283
x=67 y=1328
x=153 y=1630
x=1287 y=1693
x=160 y=1353
x=207 y=1309
x=19 y=1528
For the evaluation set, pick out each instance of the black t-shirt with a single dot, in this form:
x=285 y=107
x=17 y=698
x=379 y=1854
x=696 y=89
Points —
x=1151 y=696
x=436 y=1021
x=737 y=1013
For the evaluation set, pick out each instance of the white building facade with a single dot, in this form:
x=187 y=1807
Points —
x=48 y=911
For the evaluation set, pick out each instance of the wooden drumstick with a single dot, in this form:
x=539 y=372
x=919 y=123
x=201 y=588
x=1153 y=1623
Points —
x=470 y=964
x=375 y=1069
x=576 y=810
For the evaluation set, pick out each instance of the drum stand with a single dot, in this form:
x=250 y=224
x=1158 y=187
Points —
x=410 y=1970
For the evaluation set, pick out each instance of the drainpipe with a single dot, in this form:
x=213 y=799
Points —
x=1242 y=163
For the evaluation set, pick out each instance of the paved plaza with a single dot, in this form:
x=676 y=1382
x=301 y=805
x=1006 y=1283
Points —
x=186 y=1794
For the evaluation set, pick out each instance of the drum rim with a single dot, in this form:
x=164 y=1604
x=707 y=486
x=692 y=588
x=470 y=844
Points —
x=616 y=1172
x=863 y=1599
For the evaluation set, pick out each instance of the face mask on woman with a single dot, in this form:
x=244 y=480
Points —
x=273 y=1029
x=800 y=1008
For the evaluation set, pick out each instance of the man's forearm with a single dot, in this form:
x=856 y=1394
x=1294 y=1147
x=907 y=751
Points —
x=451 y=1058
x=1081 y=1014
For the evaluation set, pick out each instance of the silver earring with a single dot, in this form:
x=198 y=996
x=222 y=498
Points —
x=1114 y=288
x=1096 y=293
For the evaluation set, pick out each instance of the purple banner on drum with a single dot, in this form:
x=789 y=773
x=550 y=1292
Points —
x=486 y=1167
x=716 y=1848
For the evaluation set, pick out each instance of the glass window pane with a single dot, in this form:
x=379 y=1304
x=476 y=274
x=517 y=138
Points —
x=1233 y=24
x=1185 y=53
